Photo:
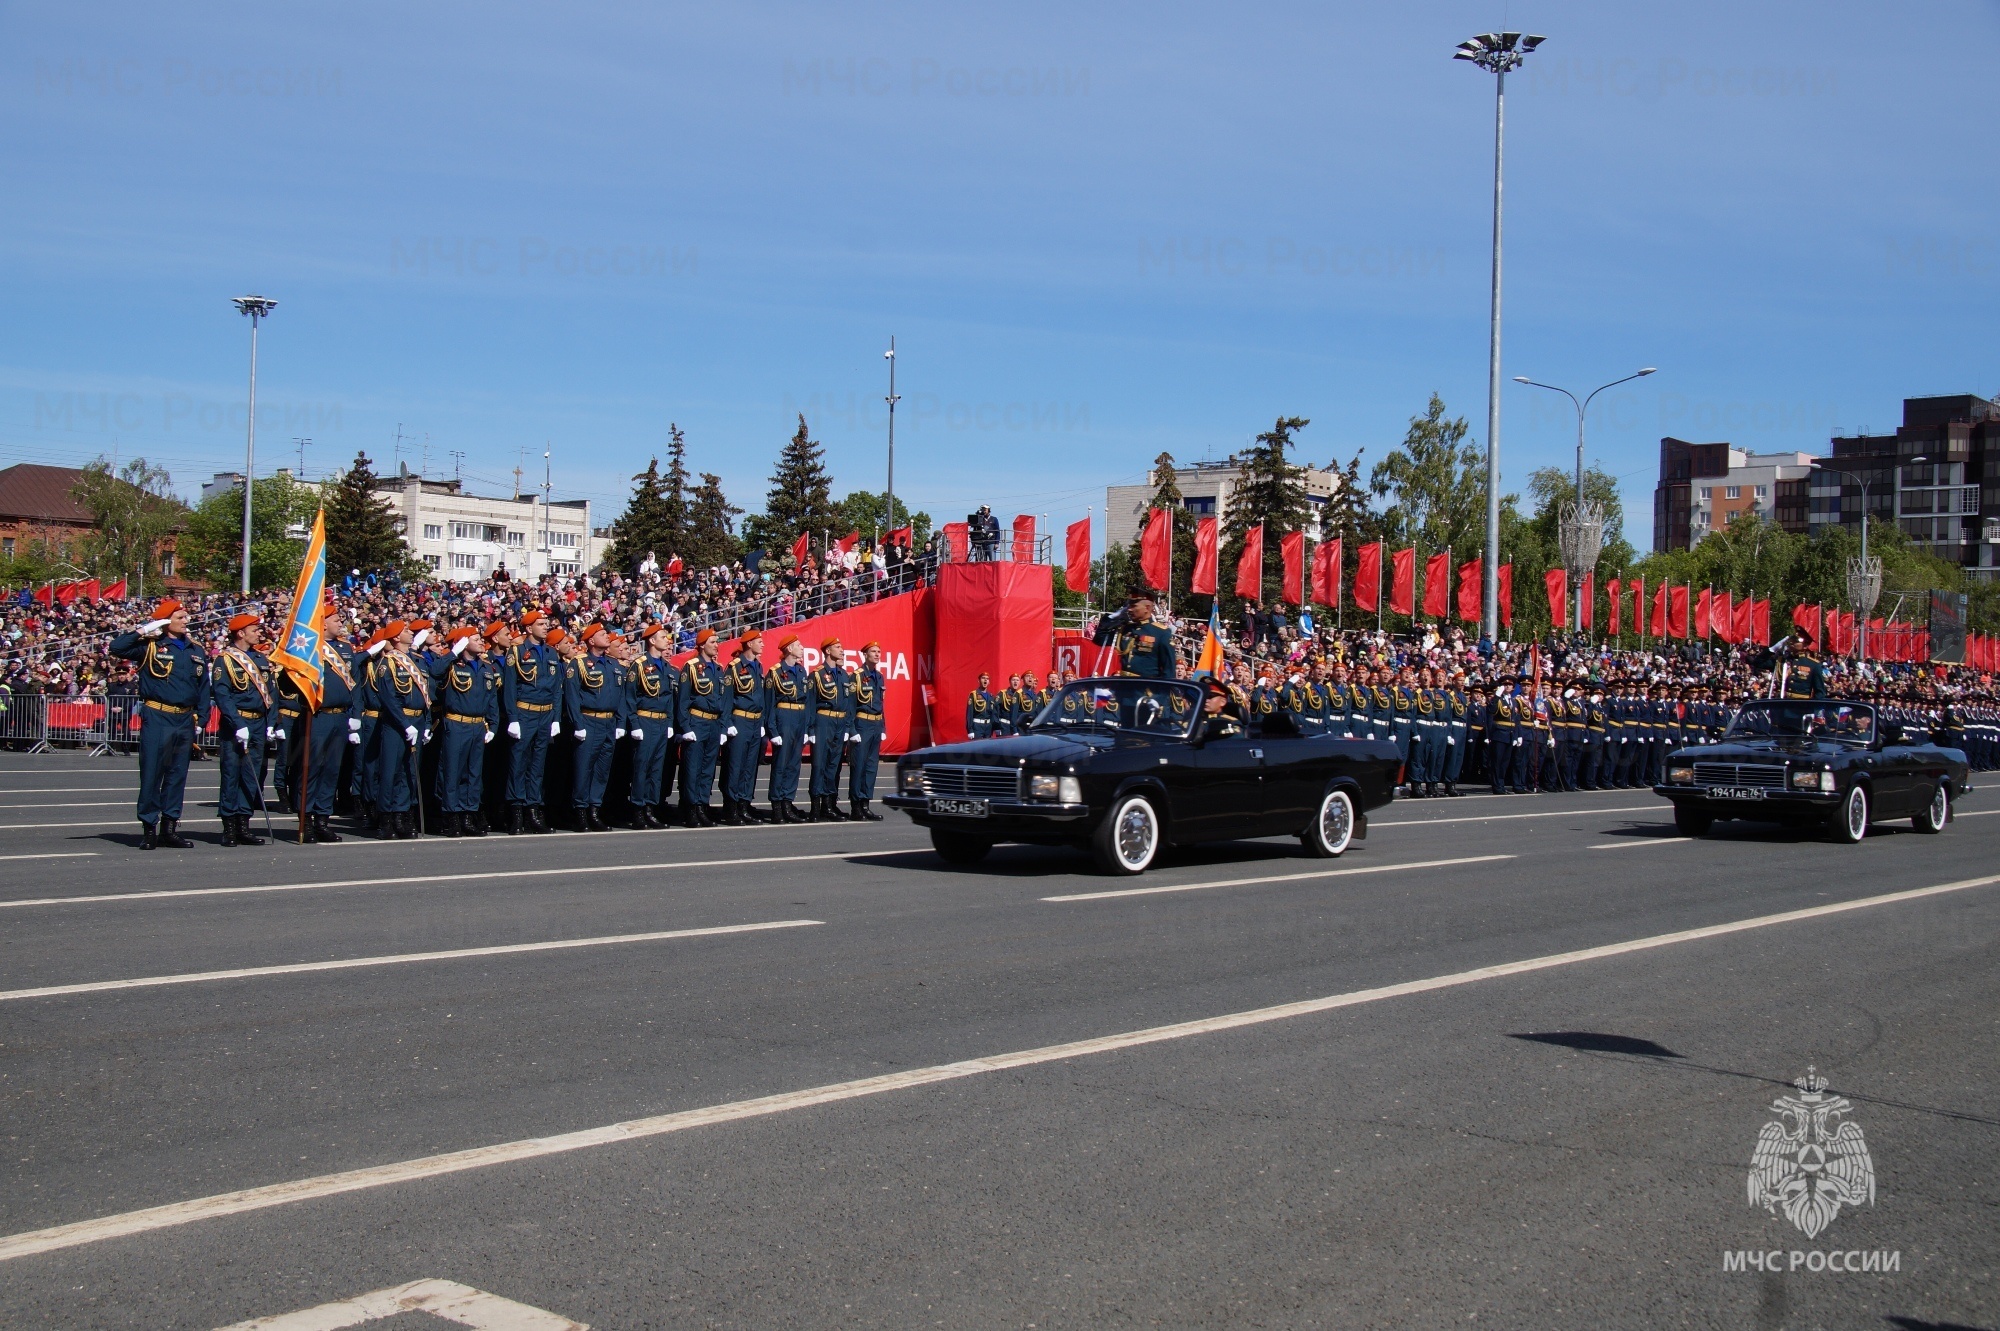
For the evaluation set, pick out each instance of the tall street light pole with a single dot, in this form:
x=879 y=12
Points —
x=1582 y=408
x=1495 y=52
x=889 y=514
x=258 y=308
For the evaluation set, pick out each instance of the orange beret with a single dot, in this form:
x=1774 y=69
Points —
x=166 y=608
x=460 y=633
x=496 y=627
x=419 y=625
x=828 y=644
x=529 y=617
x=395 y=628
x=590 y=630
x=787 y=641
x=753 y=635
x=651 y=627
x=237 y=623
x=557 y=637
x=703 y=637
x=871 y=643
x=379 y=635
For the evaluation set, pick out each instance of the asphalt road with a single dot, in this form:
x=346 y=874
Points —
x=1504 y=1064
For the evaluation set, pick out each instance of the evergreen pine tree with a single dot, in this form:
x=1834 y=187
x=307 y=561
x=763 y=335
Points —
x=1272 y=491
x=643 y=527
x=801 y=498
x=361 y=530
x=712 y=518
x=674 y=493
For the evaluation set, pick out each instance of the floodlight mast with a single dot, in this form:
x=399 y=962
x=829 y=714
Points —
x=1496 y=53
x=257 y=308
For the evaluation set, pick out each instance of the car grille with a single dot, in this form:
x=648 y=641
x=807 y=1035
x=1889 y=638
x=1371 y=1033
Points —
x=1762 y=776
x=991 y=782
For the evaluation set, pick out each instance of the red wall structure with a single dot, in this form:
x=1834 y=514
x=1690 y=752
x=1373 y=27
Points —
x=998 y=618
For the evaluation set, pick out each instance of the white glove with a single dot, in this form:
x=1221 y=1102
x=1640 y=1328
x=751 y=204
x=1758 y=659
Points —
x=427 y=737
x=353 y=738
x=243 y=734
x=618 y=732
x=272 y=732
x=458 y=648
x=583 y=734
x=731 y=732
x=777 y=741
x=638 y=733
x=151 y=628
x=1517 y=742
x=489 y=737
x=418 y=641
x=410 y=734
x=513 y=730
x=689 y=735
x=377 y=649
x=555 y=728
x=354 y=725
x=1450 y=740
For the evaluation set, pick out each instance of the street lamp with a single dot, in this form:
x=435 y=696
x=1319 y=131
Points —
x=1582 y=533
x=1496 y=53
x=889 y=515
x=1864 y=576
x=258 y=308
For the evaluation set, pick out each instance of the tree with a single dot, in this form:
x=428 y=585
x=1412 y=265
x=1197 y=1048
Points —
x=1180 y=571
x=1272 y=492
x=1438 y=481
x=711 y=538
x=134 y=511
x=362 y=530
x=865 y=511
x=674 y=487
x=800 y=500
x=211 y=546
x=644 y=526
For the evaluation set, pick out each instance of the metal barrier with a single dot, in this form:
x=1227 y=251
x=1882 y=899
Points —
x=101 y=726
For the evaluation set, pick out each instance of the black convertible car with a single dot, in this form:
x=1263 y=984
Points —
x=1815 y=762
x=1124 y=767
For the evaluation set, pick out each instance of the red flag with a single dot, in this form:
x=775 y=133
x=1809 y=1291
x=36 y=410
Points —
x=1024 y=538
x=1760 y=622
x=1292 y=550
x=847 y=542
x=1677 y=612
x=1204 y=556
x=1403 y=581
x=1589 y=600
x=957 y=537
x=1557 y=582
x=800 y=549
x=1702 y=610
x=1076 y=553
x=1721 y=618
x=1615 y=590
x=903 y=536
x=1638 y=586
x=116 y=591
x=1156 y=549
x=46 y=595
x=66 y=592
x=1368 y=576
x=1805 y=618
x=1470 y=589
x=1437 y=586
x=1250 y=566
x=1740 y=628
x=1326 y=573
x=1506 y=581
x=1660 y=612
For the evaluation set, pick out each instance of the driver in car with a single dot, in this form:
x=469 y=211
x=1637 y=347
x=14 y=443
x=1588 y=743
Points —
x=1225 y=715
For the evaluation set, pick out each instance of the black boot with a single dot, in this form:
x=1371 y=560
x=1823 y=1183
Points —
x=228 y=829
x=450 y=826
x=779 y=814
x=697 y=815
x=244 y=836
x=732 y=813
x=170 y=835
x=595 y=820
x=752 y=813
x=833 y=812
x=652 y=818
x=862 y=813
x=385 y=825
x=152 y=837
x=475 y=823
x=321 y=832
x=410 y=832
x=514 y=820
x=538 y=819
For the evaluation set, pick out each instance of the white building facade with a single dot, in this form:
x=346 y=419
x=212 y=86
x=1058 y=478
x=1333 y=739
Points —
x=467 y=538
x=1205 y=491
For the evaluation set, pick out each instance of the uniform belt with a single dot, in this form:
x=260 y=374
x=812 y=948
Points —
x=599 y=715
x=753 y=715
x=468 y=720
x=168 y=708
x=868 y=716
x=791 y=707
x=536 y=706
x=416 y=711
x=250 y=714
x=287 y=711
x=710 y=716
x=370 y=711
x=326 y=711
x=653 y=716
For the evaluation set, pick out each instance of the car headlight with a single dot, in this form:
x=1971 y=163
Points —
x=1680 y=776
x=1043 y=787
x=1071 y=790
x=911 y=779
x=1805 y=778
x=1827 y=781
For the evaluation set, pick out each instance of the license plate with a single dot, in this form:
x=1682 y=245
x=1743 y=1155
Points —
x=958 y=808
x=1735 y=793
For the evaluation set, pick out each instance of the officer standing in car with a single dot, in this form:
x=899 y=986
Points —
x=1145 y=649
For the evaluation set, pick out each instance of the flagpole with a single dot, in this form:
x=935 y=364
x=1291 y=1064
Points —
x=1378 y=586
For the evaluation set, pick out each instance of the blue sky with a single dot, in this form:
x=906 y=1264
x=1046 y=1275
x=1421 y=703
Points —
x=1096 y=232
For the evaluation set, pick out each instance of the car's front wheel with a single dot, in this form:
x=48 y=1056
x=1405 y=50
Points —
x=1332 y=827
x=1850 y=820
x=1937 y=813
x=1128 y=839
x=1690 y=821
x=958 y=848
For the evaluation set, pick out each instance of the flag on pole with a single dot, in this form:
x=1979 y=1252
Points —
x=1470 y=588
x=299 y=647
x=1437 y=585
x=1506 y=581
x=1204 y=557
x=1156 y=551
x=801 y=548
x=1292 y=555
x=1076 y=556
x=1250 y=566
x=1368 y=576
x=1403 y=582
x=1210 y=660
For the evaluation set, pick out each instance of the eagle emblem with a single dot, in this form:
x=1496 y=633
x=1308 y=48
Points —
x=1807 y=1165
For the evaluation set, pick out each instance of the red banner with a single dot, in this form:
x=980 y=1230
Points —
x=1589 y=600
x=1506 y=581
x=1204 y=556
x=1250 y=566
x=993 y=617
x=116 y=591
x=1556 y=581
x=1368 y=576
x=1437 y=586
x=1614 y=589
x=1660 y=612
x=802 y=547
x=1403 y=582
x=1292 y=550
x=1076 y=556
x=1721 y=617
x=847 y=542
x=1156 y=549
x=1470 y=589
x=1024 y=538
x=1702 y=610
x=1677 y=612
x=1740 y=624
x=1326 y=573
x=1806 y=619
x=1760 y=622
x=957 y=539
x=1638 y=586
x=1079 y=656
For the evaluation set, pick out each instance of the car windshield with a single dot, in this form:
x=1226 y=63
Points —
x=1851 y=722
x=1138 y=706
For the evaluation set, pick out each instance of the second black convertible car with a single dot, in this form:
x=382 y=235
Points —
x=1125 y=767
x=1815 y=763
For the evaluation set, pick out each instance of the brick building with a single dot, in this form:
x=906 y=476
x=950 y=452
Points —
x=1705 y=487
x=37 y=514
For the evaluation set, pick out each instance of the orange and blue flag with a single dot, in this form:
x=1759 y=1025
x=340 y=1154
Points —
x=300 y=651
x=1210 y=661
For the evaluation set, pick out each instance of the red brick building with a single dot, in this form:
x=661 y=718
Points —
x=37 y=512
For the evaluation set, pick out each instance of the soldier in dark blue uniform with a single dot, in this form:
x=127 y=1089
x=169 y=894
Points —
x=1145 y=649
x=594 y=704
x=785 y=721
x=335 y=727
x=363 y=776
x=982 y=709
x=743 y=732
x=1596 y=727
x=401 y=690
x=702 y=705
x=1457 y=732
x=653 y=686
x=174 y=699
x=242 y=690
x=870 y=702
x=1339 y=722
x=830 y=713
x=1506 y=730
x=471 y=697
x=531 y=692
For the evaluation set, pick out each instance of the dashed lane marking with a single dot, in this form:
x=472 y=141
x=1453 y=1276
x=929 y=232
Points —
x=55 y=855
x=566 y=871
x=1273 y=878
x=174 y=1214
x=401 y=959
x=1630 y=842
x=446 y=1299
x=1504 y=817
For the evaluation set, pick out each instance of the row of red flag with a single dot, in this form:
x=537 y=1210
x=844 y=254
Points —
x=64 y=593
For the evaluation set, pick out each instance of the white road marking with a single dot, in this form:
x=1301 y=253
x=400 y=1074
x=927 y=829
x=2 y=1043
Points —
x=1503 y=817
x=1976 y=813
x=56 y=855
x=1641 y=841
x=353 y=963
x=445 y=1299
x=1273 y=878
x=74 y=804
x=152 y=1219
x=566 y=871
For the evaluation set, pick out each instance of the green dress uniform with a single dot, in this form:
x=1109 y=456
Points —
x=1146 y=651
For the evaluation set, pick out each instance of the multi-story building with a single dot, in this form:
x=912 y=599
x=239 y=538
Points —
x=1205 y=491
x=1705 y=487
x=39 y=516
x=467 y=537
x=1937 y=478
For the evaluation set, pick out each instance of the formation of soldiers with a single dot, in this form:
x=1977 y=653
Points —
x=403 y=714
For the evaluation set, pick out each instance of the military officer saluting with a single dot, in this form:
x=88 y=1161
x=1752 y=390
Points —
x=982 y=709
x=870 y=693
x=651 y=687
x=173 y=698
x=1804 y=676
x=703 y=702
x=785 y=723
x=1145 y=649
x=531 y=694
x=743 y=732
x=242 y=690
x=830 y=713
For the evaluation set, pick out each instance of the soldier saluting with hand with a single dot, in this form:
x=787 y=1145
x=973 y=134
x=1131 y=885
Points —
x=173 y=698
